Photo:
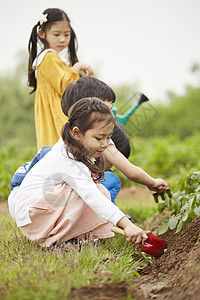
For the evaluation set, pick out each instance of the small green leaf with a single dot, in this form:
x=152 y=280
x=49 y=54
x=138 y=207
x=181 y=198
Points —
x=197 y=211
x=180 y=224
x=174 y=205
x=196 y=173
x=185 y=216
x=192 y=215
x=197 y=200
x=193 y=176
x=176 y=195
x=173 y=221
x=194 y=187
x=191 y=201
x=184 y=208
x=163 y=227
x=161 y=205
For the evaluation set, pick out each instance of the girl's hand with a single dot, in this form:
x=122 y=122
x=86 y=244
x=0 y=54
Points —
x=158 y=185
x=134 y=234
x=79 y=66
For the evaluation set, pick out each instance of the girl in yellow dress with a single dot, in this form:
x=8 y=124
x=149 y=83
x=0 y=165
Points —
x=53 y=64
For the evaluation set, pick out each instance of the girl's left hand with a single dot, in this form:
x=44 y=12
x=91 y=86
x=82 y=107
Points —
x=79 y=66
x=158 y=186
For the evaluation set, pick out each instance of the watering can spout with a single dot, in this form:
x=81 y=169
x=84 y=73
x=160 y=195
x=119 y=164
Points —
x=123 y=119
x=142 y=99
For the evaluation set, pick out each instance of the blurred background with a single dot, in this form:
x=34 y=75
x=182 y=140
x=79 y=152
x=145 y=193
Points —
x=148 y=46
x=148 y=43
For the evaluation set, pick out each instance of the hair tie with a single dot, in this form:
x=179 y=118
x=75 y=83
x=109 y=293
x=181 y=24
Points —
x=43 y=19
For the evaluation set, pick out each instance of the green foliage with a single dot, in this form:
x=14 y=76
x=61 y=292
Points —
x=17 y=112
x=179 y=115
x=167 y=158
x=184 y=204
x=164 y=157
x=12 y=156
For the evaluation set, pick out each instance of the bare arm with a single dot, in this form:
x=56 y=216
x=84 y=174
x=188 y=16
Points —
x=131 y=171
x=79 y=66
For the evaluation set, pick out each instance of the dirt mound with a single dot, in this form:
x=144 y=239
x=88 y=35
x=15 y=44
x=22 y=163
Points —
x=119 y=290
x=176 y=274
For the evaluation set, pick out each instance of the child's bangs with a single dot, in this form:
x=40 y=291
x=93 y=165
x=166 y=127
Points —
x=97 y=117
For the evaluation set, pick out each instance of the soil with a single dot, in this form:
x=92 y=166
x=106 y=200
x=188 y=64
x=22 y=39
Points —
x=175 y=275
x=134 y=192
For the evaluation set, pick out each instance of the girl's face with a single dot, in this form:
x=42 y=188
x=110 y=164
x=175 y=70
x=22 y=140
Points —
x=96 y=139
x=58 y=35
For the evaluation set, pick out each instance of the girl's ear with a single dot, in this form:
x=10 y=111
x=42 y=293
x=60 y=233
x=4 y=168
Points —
x=77 y=133
x=41 y=33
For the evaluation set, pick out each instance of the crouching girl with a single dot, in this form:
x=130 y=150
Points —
x=60 y=198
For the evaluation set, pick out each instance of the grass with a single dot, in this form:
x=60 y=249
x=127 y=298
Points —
x=30 y=272
x=139 y=210
x=27 y=271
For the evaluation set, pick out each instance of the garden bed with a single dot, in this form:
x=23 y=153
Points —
x=175 y=275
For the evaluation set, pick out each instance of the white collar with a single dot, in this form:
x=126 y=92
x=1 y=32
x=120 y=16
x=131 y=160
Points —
x=63 y=55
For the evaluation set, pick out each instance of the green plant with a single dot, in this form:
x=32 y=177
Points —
x=185 y=203
x=12 y=157
x=165 y=157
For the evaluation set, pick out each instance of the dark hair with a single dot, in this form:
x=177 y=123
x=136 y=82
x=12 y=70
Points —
x=53 y=15
x=93 y=87
x=86 y=87
x=121 y=140
x=84 y=114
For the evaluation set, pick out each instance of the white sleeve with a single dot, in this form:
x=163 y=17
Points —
x=79 y=178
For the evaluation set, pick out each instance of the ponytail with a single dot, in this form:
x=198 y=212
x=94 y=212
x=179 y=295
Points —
x=73 y=47
x=32 y=49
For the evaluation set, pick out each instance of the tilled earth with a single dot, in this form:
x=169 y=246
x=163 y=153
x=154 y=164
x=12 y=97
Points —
x=176 y=274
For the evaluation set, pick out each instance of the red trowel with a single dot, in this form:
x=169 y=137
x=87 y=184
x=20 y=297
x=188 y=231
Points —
x=154 y=246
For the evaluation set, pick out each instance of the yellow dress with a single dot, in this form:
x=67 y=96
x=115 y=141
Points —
x=53 y=76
